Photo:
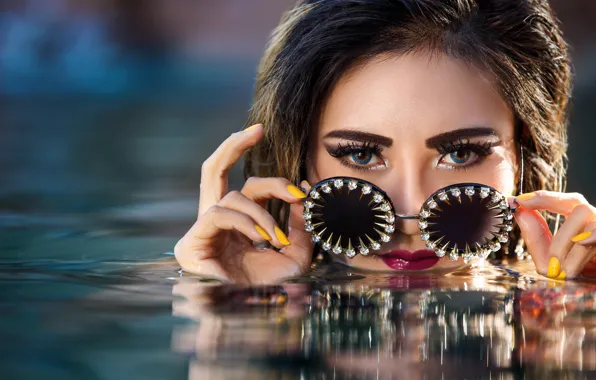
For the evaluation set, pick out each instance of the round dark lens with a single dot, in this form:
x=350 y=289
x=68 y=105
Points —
x=468 y=222
x=466 y=219
x=349 y=216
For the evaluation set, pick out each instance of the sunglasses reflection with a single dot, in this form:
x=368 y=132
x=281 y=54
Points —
x=401 y=332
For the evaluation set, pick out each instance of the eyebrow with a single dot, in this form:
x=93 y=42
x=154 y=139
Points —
x=436 y=141
x=360 y=136
x=432 y=142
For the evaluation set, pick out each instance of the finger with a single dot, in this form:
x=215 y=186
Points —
x=575 y=262
x=537 y=236
x=236 y=201
x=562 y=242
x=218 y=218
x=559 y=203
x=578 y=257
x=262 y=189
x=587 y=237
x=214 y=172
x=305 y=186
x=302 y=246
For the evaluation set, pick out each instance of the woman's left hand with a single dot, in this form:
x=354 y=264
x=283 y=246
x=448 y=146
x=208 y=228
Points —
x=565 y=254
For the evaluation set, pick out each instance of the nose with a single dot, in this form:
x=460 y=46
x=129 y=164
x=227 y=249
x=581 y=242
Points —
x=406 y=191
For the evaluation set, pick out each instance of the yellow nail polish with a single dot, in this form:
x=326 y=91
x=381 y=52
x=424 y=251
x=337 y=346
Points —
x=262 y=232
x=561 y=276
x=582 y=236
x=283 y=239
x=525 y=197
x=295 y=191
x=554 y=268
x=251 y=127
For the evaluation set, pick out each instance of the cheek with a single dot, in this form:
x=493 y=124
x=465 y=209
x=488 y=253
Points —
x=502 y=173
x=505 y=178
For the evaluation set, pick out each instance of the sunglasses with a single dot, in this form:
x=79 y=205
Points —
x=352 y=216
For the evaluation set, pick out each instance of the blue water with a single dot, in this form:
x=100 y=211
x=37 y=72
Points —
x=115 y=306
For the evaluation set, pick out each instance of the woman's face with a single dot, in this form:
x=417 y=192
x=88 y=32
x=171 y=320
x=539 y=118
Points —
x=412 y=124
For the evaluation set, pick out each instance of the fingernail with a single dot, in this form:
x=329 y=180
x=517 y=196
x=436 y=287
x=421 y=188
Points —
x=283 y=239
x=554 y=268
x=525 y=197
x=561 y=276
x=582 y=236
x=262 y=232
x=252 y=127
x=295 y=191
x=305 y=185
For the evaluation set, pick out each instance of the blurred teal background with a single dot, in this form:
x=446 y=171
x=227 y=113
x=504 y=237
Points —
x=109 y=107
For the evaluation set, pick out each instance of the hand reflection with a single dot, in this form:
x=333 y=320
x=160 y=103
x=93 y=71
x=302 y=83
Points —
x=559 y=327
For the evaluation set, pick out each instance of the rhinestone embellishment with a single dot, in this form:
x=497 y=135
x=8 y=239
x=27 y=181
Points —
x=442 y=196
x=378 y=198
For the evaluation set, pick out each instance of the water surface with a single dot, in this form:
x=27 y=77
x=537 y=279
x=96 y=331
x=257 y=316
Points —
x=115 y=306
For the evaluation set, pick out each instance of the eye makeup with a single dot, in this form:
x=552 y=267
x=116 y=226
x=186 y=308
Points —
x=357 y=155
x=356 y=149
x=463 y=153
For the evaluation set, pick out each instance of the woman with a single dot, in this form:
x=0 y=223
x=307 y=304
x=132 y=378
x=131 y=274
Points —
x=411 y=95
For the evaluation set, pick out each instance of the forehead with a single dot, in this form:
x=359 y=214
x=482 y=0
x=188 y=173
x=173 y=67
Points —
x=417 y=92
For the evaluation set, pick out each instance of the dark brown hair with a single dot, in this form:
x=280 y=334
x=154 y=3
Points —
x=518 y=42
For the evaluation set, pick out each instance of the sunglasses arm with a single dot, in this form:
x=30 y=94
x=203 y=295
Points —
x=408 y=216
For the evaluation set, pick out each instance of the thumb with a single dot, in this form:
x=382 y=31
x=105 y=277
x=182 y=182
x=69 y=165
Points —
x=302 y=246
x=536 y=235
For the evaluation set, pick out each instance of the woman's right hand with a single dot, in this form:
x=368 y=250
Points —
x=220 y=243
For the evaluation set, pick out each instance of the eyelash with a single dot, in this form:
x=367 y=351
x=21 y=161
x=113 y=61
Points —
x=445 y=148
x=355 y=147
x=480 y=149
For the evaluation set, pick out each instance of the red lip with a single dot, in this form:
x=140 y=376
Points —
x=403 y=259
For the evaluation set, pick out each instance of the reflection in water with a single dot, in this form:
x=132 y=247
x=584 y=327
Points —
x=461 y=325
x=138 y=320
